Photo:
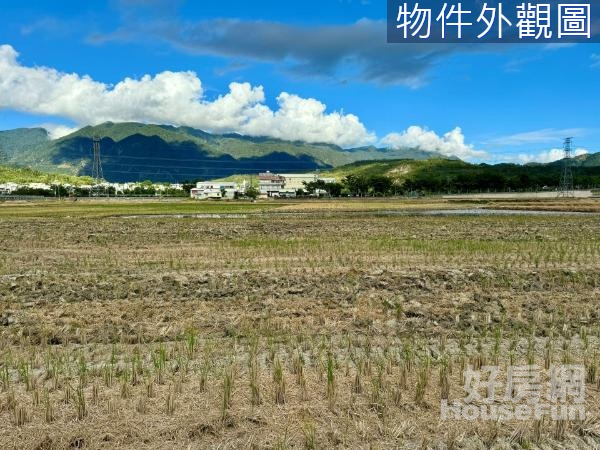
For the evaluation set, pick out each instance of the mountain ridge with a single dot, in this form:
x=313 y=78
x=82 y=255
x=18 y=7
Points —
x=133 y=151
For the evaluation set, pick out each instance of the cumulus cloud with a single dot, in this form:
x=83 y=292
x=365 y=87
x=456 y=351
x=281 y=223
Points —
x=56 y=131
x=548 y=155
x=175 y=98
x=450 y=144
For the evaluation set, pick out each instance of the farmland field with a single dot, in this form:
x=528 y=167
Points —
x=288 y=325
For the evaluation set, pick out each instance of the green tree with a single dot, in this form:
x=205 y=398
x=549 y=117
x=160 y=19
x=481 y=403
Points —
x=334 y=189
x=379 y=184
x=252 y=193
x=356 y=184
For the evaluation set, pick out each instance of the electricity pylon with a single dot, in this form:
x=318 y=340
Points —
x=566 y=178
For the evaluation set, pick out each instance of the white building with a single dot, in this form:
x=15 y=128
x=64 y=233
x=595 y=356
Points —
x=162 y=187
x=214 y=190
x=296 y=181
x=42 y=186
x=270 y=184
x=120 y=188
x=8 y=188
x=287 y=184
x=327 y=180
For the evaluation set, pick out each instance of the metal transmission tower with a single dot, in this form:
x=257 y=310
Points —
x=566 y=177
x=97 y=174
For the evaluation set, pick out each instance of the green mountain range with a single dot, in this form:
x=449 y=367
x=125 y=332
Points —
x=135 y=152
x=162 y=153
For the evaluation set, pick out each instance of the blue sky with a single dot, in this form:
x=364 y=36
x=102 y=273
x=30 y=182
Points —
x=511 y=102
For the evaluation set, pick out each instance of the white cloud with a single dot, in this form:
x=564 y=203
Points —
x=543 y=136
x=548 y=156
x=559 y=45
x=450 y=144
x=175 y=98
x=56 y=131
x=305 y=119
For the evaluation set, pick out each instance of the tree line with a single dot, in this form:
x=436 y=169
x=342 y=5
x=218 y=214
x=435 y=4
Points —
x=456 y=180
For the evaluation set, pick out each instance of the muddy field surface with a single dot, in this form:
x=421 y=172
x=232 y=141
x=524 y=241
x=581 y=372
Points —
x=288 y=331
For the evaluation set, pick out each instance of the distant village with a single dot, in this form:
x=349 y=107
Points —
x=144 y=188
x=270 y=185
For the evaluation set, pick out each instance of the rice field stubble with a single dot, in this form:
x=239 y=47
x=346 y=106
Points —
x=303 y=331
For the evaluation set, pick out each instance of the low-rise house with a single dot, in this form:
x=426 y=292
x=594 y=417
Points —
x=120 y=188
x=327 y=180
x=41 y=186
x=297 y=181
x=214 y=190
x=8 y=188
x=270 y=184
x=287 y=184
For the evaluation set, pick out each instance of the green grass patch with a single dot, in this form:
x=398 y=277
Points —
x=279 y=244
x=106 y=208
x=22 y=175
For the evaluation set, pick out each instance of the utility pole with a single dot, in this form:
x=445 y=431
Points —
x=566 y=189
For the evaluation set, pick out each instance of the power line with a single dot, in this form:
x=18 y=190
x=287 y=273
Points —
x=211 y=160
x=212 y=166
